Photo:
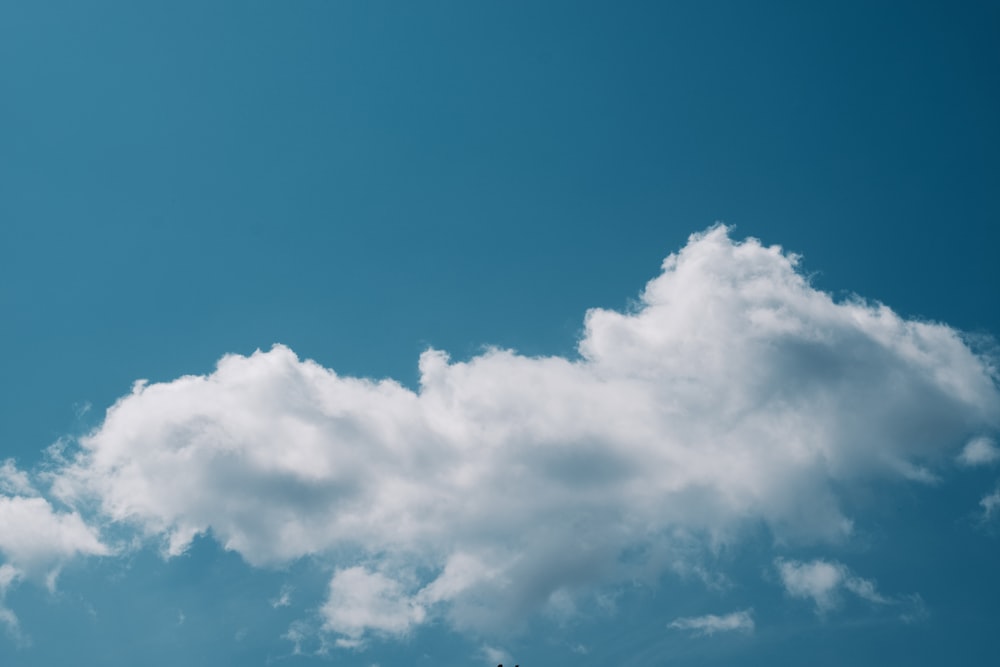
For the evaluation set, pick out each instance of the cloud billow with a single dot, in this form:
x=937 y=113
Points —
x=733 y=392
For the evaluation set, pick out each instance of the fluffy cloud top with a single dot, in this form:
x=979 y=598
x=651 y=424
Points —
x=737 y=621
x=734 y=392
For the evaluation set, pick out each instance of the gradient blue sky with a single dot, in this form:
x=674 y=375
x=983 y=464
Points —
x=362 y=181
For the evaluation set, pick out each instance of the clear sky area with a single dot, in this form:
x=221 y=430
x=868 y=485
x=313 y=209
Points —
x=467 y=333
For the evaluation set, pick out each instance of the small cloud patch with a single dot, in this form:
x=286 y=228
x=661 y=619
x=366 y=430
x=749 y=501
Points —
x=979 y=452
x=823 y=582
x=710 y=624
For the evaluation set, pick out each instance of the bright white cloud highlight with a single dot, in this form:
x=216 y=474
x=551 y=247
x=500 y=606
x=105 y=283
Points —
x=734 y=392
x=361 y=601
x=822 y=582
x=36 y=538
x=979 y=451
x=737 y=621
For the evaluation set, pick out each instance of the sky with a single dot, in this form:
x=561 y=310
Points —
x=451 y=333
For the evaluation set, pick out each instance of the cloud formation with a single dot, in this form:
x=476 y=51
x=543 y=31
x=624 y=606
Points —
x=9 y=576
x=15 y=482
x=979 y=451
x=737 y=621
x=362 y=601
x=990 y=504
x=734 y=393
x=36 y=538
x=823 y=581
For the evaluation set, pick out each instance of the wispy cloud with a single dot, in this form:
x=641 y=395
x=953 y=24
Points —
x=990 y=504
x=737 y=621
x=15 y=482
x=8 y=577
x=823 y=581
x=297 y=633
x=492 y=654
x=12 y=625
x=980 y=451
x=284 y=598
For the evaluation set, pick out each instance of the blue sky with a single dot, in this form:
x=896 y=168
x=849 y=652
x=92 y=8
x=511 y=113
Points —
x=529 y=401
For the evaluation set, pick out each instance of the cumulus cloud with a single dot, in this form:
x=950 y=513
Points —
x=979 y=451
x=737 y=621
x=734 y=393
x=822 y=582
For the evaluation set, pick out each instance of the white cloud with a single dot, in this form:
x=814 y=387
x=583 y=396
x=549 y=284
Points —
x=9 y=575
x=734 y=393
x=297 y=634
x=284 y=598
x=817 y=580
x=15 y=482
x=980 y=451
x=493 y=654
x=36 y=539
x=9 y=619
x=737 y=621
x=822 y=581
x=990 y=504
x=362 y=601
x=865 y=589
